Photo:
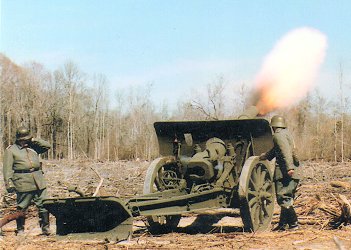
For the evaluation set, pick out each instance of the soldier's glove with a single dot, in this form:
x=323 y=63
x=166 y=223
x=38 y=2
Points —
x=295 y=158
x=296 y=161
x=262 y=157
x=11 y=189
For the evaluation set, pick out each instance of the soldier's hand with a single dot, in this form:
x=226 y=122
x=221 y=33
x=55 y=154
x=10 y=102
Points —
x=262 y=157
x=291 y=172
x=11 y=189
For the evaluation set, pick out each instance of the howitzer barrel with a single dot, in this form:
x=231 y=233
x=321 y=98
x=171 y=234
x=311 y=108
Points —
x=250 y=113
x=201 y=165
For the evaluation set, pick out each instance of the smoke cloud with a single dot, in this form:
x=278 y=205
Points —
x=289 y=70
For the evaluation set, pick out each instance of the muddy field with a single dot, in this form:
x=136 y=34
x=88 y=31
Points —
x=317 y=205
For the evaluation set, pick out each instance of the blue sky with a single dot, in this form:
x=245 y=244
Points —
x=175 y=45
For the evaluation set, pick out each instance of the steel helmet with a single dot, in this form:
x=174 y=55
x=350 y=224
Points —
x=278 y=121
x=23 y=134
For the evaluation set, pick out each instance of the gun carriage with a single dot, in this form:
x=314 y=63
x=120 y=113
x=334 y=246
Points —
x=203 y=165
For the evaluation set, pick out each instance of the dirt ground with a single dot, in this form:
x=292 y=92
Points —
x=220 y=230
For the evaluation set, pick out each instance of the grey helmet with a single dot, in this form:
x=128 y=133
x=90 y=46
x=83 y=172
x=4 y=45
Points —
x=278 y=121
x=23 y=134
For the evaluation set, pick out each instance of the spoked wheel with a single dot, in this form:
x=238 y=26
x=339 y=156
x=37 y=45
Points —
x=159 y=177
x=256 y=193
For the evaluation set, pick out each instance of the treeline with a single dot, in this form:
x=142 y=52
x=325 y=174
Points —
x=74 y=112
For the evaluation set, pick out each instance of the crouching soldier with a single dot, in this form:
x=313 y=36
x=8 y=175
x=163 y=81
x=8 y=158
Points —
x=286 y=177
x=23 y=175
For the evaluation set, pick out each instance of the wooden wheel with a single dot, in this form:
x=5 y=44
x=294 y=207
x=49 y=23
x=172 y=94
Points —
x=159 y=177
x=256 y=194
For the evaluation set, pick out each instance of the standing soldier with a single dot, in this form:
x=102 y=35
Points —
x=285 y=175
x=23 y=175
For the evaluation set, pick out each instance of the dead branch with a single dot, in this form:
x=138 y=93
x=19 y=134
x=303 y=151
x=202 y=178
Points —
x=100 y=183
x=345 y=208
x=338 y=243
x=304 y=241
x=11 y=217
x=340 y=184
x=329 y=209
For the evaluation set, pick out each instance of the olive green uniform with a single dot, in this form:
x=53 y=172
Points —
x=22 y=166
x=283 y=151
x=285 y=185
x=22 y=170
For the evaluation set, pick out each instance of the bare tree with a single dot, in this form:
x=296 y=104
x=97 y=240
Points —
x=342 y=110
x=213 y=105
x=71 y=78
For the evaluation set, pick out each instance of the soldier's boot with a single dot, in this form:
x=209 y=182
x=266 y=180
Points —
x=292 y=219
x=282 y=225
x=20 y=225
x=44 y=223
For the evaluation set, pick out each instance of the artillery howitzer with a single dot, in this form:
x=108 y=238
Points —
x=203 y=165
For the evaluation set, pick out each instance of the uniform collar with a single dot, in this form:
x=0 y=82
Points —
x=20 y=147
x=277 y=130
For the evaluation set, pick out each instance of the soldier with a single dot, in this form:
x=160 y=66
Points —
x=23 y=175
x=285 y=175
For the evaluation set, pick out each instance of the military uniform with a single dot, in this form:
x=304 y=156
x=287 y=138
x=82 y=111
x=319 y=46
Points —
x=23 y=174
x=285 y=185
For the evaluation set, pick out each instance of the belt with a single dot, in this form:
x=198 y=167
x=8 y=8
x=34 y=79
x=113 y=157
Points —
x=26 y=171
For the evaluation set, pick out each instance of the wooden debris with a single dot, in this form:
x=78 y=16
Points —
x=11 y=217
x=304 y=241
x=100 y=183
x=330 y=209
x=340 y=184
x=345 y=208
x=338 y=243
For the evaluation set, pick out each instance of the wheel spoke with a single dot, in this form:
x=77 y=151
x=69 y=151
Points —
x=263 y=177
x=266 y=195
x=255 y=174
x=253 y=184
x=253 y=201
x=259 y=175
x=266 y=185
x=260 y=214
x=264 y=208
x=253 y=192
x=257 y=212
x=253 y=211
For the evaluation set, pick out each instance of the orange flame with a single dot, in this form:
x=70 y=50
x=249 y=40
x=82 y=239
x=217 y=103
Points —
x=289 y=70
